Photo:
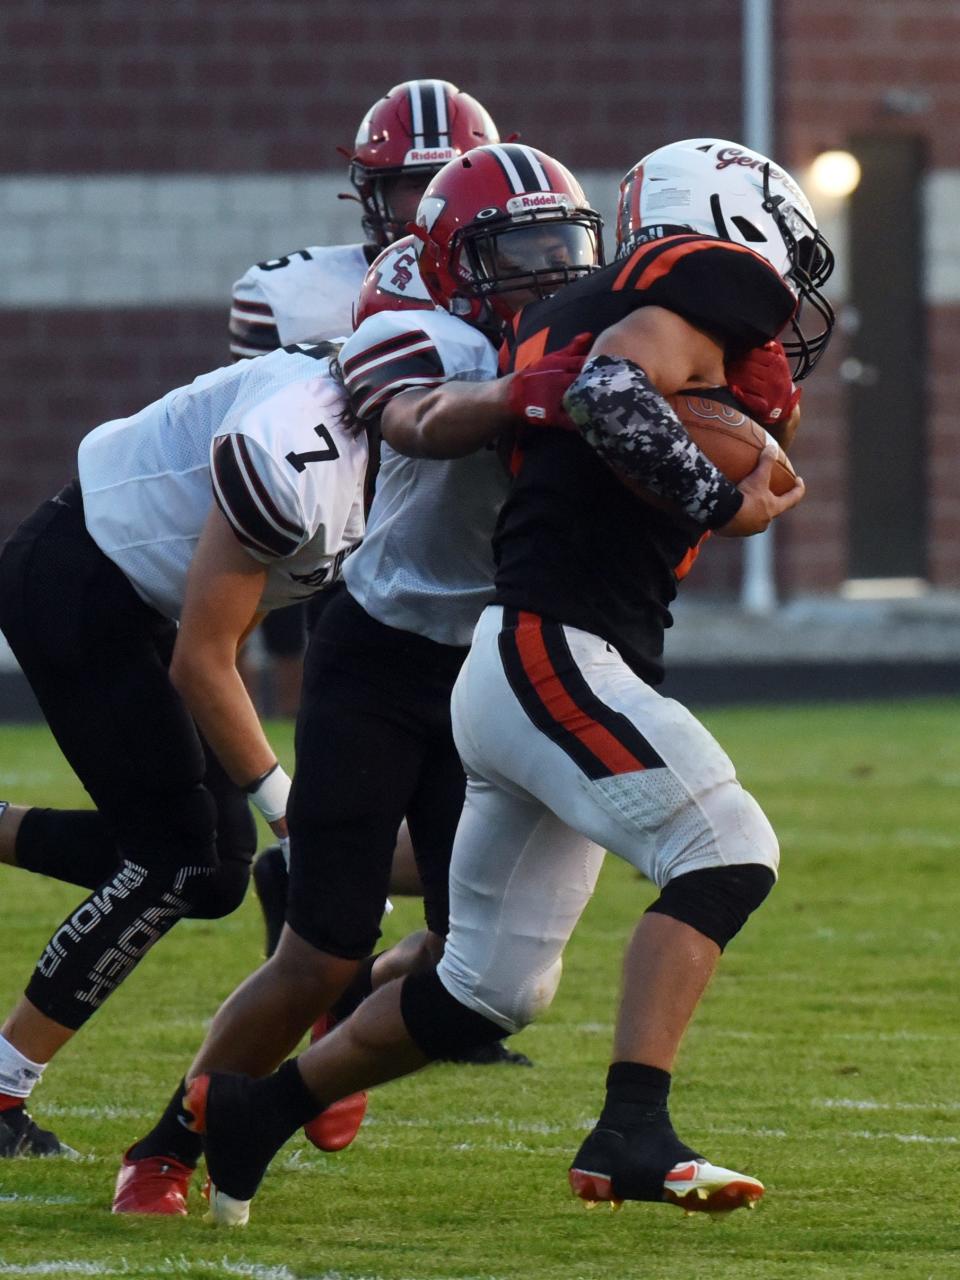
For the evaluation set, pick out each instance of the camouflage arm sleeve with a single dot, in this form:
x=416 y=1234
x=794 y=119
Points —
x=625 y=419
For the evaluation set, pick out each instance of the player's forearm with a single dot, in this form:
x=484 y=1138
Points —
x=215 y=696
x=624 y=418
x=450 y=421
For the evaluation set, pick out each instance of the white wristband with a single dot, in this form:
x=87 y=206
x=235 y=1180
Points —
x=270 y=793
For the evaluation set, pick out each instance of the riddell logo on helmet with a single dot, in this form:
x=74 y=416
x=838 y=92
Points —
x=436 y=155
x=539 y=200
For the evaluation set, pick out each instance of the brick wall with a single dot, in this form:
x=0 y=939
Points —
x=202 y=91
x=875 y=67
x=245 y=86
x=63 y=372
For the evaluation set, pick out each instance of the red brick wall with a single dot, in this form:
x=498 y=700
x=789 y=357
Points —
x=846 y=70
x=240 y=85
x=943 y=436
x=64 y=372
x=248 y=86
x=243 y=86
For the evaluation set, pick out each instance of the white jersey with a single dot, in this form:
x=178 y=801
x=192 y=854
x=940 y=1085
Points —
x=426 y=564
x=306 y=296
x=262 y=439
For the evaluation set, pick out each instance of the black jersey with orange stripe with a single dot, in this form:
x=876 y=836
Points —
x=722 y=287
x=572 y=543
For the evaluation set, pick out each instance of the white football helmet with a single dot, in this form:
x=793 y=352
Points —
x=726 y=190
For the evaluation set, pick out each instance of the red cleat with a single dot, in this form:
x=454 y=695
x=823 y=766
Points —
x=336 y=1126
x=155 y=1184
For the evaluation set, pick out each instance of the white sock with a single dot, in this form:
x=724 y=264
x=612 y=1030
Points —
x=18 y=1075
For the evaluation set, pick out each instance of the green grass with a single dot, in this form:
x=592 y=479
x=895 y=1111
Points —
x=823 y=1060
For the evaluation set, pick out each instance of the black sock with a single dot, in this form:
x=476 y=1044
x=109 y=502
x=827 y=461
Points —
x=248 y=1121
x=169 y=1136
x=636 y=1106
x=634 y=1089
x=361 y=985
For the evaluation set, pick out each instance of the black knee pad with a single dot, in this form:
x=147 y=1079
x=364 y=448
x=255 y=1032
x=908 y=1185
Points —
x=716 y=901
x=236 y=843
x=438 y=1024
x=222 y=892
x=170 y=829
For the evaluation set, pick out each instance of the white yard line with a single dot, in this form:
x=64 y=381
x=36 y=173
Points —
x=866 y=1104
x=182 y=1265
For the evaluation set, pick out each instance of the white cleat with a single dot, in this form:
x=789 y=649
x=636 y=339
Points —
x=224 y=1211
x=701 y=1187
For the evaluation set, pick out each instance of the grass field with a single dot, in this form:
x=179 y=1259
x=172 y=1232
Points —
x=823 y=1060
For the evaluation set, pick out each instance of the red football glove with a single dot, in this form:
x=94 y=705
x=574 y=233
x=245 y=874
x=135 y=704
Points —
x=761 y=381
x=536 y=392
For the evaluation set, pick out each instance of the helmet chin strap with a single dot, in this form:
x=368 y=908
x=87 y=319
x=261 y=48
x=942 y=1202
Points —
x=718 y=219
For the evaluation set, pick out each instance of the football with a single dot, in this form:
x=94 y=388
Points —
x=731 y=440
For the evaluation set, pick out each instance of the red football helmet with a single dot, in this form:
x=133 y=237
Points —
x=392 y=283
x=410 y=133
x=503 y=219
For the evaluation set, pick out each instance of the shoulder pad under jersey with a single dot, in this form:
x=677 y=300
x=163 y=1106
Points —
x=394 y=351
x=723 y=287
x=263 y=514
x=304 y=296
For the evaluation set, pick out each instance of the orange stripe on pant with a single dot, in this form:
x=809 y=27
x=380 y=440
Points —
x=561 y=707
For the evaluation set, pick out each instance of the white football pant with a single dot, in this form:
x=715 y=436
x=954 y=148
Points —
x=569 y=753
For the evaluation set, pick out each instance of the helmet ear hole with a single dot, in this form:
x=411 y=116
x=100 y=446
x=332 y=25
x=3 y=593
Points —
x=752 y=234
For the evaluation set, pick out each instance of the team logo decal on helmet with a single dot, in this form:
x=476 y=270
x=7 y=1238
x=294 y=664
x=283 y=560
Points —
x=502 y=219
x=392 y=283
x=722 y=189
x=410 y=133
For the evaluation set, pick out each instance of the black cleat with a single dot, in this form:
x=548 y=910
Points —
x=20 y=1135
x=271 y=881
x=238 y=1141
x=491 y=1055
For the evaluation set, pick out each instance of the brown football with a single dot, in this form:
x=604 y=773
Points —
x=732 y=441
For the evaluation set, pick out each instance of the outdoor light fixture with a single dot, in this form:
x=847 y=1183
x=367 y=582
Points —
x=835 y=174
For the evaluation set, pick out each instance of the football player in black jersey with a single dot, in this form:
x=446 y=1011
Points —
x=569 y=749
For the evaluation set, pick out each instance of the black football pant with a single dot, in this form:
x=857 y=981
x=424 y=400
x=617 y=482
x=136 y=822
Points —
x=374 y=746
x=177 y=835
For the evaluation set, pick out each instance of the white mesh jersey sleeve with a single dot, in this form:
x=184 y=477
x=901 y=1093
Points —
x=305 y=296
x=148 y=489
x=394 y=351
x=289 y=479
